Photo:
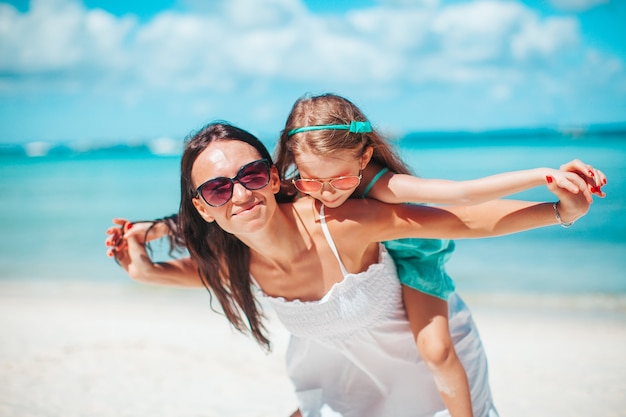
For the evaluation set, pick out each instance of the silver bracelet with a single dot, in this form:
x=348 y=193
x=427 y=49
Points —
x=558 y=217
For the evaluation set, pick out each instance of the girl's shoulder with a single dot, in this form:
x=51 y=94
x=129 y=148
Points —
x=361 y=210
x=364 y=211
x=372 y=173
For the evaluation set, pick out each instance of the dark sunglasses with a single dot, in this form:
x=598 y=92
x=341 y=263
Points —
x=218 y=191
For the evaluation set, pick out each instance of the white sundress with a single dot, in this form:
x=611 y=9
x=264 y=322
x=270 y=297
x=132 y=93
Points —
x=352 y=353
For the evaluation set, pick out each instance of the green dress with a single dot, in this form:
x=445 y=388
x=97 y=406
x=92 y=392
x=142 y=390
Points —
x=420 y=262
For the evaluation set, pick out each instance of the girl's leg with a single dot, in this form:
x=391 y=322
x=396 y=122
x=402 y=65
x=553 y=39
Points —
x=428 y=317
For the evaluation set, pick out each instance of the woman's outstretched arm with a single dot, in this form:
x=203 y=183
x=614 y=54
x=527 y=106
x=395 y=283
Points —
x=127 y=243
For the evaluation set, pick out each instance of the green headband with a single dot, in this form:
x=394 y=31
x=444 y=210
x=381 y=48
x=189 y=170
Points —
x=353 y=127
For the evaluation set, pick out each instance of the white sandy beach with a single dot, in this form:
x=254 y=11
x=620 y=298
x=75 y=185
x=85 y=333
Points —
x=86 y=349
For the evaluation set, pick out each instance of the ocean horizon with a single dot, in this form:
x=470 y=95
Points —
x=58 y=200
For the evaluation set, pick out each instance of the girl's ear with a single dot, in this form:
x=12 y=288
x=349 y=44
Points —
x=201 y=208
x=367 y=156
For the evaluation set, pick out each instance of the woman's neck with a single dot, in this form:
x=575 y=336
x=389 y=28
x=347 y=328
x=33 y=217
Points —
x=282 y=239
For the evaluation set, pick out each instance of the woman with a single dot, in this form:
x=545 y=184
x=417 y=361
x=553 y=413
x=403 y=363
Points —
x=333 y=285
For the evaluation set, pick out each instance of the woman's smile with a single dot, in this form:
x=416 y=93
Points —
x=246 y=209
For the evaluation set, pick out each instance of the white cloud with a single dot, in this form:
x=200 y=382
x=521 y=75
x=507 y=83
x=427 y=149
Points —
x=577 y=5
x=602 y=70
x=545 y=38
x=266 y=13
x=59 y=35
x=409 y=3
x=180 y=52
x=492 y=31
x=250 y=46
x=477 y=32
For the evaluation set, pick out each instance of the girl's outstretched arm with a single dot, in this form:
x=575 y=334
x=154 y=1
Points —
x=383 y=222
x=574 y=176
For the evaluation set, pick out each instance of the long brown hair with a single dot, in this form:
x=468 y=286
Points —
x=223 y=260
x=330 y=109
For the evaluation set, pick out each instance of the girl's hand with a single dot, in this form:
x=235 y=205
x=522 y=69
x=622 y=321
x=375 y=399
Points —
x=576 y=176
x=127 y=243
x=115 y=236
x=142 y=231
x=123 y=230
x=593 y=177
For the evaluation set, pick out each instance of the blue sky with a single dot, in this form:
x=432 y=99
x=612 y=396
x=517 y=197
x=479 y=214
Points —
x=97 y=70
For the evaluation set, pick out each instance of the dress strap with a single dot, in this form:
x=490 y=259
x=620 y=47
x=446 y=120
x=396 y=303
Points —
x=373 y=181
x=330 y=240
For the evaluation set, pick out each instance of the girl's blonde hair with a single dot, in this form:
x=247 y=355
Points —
x=330 y=110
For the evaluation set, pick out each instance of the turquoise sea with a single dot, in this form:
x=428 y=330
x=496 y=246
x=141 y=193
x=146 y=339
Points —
x=56 y=206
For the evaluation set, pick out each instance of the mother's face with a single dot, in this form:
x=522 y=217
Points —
x=247 y=210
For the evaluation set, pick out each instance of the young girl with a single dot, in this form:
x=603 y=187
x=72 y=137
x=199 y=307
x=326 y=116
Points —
x=330 y=151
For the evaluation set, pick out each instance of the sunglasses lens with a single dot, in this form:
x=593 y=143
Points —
x=217 y=192
x=255 y=176
x=345 y=183
x=308 y=186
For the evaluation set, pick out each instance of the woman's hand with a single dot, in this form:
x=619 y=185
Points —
x=572 y=205
x=576 y=176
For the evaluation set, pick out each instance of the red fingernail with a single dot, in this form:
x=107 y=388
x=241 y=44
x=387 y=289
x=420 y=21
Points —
x=591 y=173
x=549 y=179
x=128 y=226
x=604 y=180
x=595 y=189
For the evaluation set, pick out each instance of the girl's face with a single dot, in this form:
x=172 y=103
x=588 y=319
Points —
x=342 y=163
x=247 y=210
